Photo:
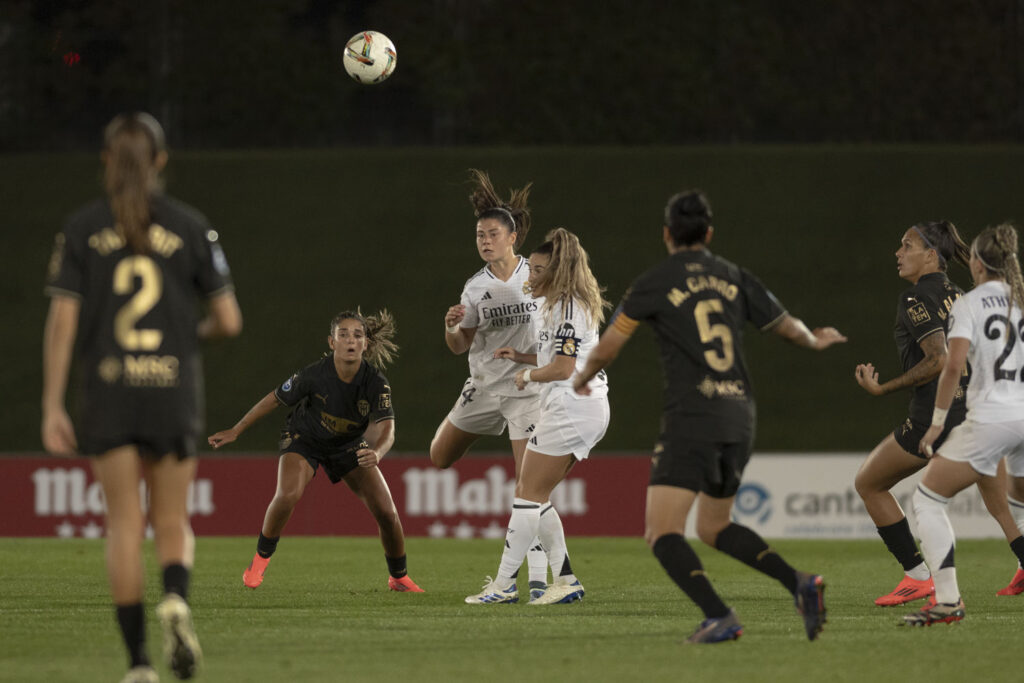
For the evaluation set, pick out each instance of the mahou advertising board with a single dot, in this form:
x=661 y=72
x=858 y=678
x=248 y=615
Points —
x=807 y=495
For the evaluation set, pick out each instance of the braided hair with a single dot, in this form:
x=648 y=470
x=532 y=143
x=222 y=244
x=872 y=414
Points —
x=996 y=249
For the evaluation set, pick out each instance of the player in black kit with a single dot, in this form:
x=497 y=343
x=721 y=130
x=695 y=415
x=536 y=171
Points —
x=698 y=305
x=123 y=279
x=922 y=317
x=343 y=421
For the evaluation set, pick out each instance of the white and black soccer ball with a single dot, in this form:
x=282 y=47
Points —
x=370 y=57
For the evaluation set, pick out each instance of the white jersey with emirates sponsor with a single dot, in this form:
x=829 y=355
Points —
x=566 y=329
x=502 y=313
x=996 y=390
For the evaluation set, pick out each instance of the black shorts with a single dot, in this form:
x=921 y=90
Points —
x=909 y=434
x=336 y=463
x=714 y=468
x=150 y=447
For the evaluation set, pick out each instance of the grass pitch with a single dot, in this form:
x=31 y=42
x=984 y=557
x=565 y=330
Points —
x=324 y=614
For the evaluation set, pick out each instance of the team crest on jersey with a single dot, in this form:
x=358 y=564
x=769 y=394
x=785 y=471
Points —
x=109 y=369
x=363 y=406
x=918 y=314
x=526 y=288
x=569 y=347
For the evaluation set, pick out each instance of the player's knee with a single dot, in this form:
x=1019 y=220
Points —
x=864 y=485
x=708 y=534
x=287 y=497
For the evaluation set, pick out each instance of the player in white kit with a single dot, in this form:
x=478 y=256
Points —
x=570 y=424
x=495 y=310
x=985 y=329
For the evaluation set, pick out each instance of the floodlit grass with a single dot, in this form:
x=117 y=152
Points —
x=324 y=614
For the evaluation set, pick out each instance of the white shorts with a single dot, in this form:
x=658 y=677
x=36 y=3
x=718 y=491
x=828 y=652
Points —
x=480 y=412
x=570 y=424
x=984 y=444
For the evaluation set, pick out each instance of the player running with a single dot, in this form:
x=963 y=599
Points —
x=698 y=305
x=494 y=311
x=985 y=330
x=342 y=420
x=123 y=279
x=921 y=323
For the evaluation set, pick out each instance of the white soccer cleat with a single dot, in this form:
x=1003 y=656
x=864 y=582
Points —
x=181 y=647
x=560 y=593
x=141 y=674
x=494 y=594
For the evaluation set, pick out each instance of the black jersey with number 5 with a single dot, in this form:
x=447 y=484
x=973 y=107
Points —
x=698 y=305
x=922 y=311
x=137 y=340
x=331 y=413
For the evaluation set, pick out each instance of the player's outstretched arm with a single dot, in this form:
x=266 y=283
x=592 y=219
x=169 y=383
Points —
x=794 y=330
x=265 y=406
x=508 y=353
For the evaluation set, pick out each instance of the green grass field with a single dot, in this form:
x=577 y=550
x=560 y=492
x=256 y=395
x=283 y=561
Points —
x=324 y=614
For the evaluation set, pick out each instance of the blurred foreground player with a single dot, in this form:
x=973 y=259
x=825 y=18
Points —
x=124 y=276
x=343 y=421
x=698 y=305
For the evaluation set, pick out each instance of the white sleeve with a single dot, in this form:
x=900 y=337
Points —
x=961 y=322
x=472 y=318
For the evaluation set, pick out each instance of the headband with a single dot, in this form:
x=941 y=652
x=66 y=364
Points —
x=928 y=245
x=507 y=213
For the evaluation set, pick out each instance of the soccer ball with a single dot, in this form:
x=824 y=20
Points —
x=370 y=57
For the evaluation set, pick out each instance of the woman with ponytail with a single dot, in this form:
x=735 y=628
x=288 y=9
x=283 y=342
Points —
x=985 y=330
x=698 y=305
x=569 y=426
x=342 y=420
x=494 y=311
x=922 y=320
x=124 y=278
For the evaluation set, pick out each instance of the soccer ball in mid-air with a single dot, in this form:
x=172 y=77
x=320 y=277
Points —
x=370 y=57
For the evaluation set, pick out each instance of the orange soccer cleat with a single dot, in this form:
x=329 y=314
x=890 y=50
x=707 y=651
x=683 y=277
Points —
x=253 y=576
x=1016 y=586
x=403 y=585
x=908 y=590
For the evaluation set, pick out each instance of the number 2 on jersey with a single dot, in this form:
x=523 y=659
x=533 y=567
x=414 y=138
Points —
x=992 y=331
x=142 y=302
x=719 y=361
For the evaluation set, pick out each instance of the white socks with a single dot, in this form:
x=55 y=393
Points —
x=937 y=542
x=552 y=537
x=523 y=526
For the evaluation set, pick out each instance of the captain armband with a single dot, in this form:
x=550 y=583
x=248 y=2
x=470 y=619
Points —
x=624 y=324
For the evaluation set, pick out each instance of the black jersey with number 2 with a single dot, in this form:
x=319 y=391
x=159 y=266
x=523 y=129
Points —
x=331 y=413
x=698 y=305
x=138 y=349
x=923 y=310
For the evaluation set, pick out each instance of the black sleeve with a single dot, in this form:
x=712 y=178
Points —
x=295 y=388
x=380 y=399
x=917 y=316
x=763 y=309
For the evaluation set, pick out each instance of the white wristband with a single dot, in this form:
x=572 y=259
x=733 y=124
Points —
x=526 y=377
x=454 y=329
x=939 y=417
